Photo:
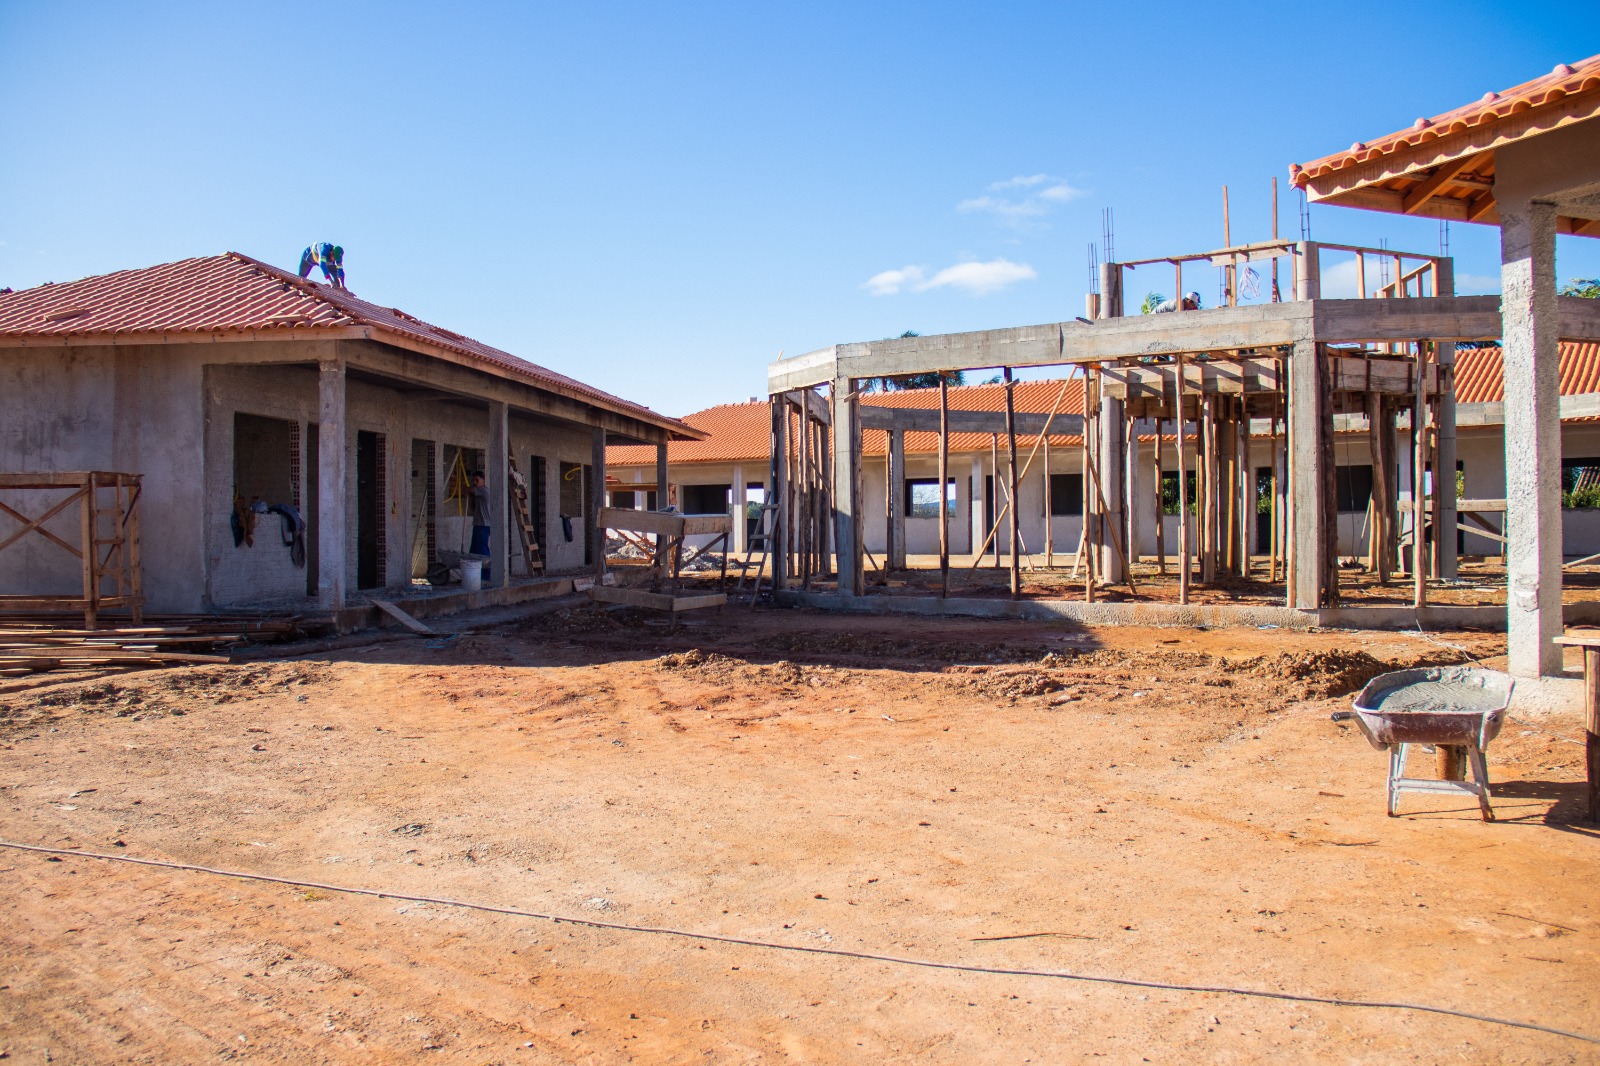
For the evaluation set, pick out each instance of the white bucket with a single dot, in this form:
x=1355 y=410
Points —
x=471 y=575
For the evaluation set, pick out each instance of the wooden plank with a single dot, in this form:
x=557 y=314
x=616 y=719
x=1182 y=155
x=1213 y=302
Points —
x=1431 y=185
x=661 y=601
x=402 y=617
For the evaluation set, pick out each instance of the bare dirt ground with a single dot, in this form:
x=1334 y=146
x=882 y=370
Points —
x=1164 y=804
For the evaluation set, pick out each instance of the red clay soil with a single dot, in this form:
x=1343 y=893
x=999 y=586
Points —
x=1163 y=804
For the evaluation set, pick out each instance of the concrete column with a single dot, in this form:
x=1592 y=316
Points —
x=1444 y=497
x=498 y=477
x=738 y=544
x=1305 y=420
x=896 y=488
x=1308 y=272
x=980 y=528
x=1110 y=290
x=661 y=475
x=847 y=487
x=1532 y=436
x=1111 y=463
x=332 y=495
x=597 y=460
x=1141 y=490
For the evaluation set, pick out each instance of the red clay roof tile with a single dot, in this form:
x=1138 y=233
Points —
x=235 y=293
x=1564 y=81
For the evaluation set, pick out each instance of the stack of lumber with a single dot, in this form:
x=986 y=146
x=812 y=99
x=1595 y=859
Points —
x=33 y=644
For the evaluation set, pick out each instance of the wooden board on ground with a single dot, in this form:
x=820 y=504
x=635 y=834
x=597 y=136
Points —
x=660 y=601
x=402 y=617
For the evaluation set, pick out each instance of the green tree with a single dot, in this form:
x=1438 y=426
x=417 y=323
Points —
x=1152 y=300
x=1588 y=288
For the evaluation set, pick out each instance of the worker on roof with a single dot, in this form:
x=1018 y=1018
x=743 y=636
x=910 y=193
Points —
x=330 y=257
x=1191 y=302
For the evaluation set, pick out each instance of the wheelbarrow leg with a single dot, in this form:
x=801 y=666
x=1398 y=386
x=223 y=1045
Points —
x=1480 y=771
x=1397 y=770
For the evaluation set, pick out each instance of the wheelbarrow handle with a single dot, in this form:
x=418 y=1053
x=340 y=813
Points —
x=1342 y=716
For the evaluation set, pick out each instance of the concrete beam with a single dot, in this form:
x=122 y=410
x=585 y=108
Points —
x=803 y=371
x=913 y=419
x=1417 y=318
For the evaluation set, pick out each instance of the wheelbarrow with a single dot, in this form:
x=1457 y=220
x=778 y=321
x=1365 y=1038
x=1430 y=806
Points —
x=1445 y=706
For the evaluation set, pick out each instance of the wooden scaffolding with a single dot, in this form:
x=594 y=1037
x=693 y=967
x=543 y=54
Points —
x=108 y=539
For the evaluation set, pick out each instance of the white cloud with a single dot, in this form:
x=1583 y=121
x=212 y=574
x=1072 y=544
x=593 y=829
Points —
x=1060 y=193
x=1477 y=284
x=1007 y=209
x=972 y=277
x=980 y=279
x=1021 y=182
x=1032 y=196
x=890 y=282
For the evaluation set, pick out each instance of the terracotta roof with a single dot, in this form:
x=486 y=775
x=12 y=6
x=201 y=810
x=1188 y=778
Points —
x=1545 y=92
x=1480 y=372
x=741 y=432
x=234 y=293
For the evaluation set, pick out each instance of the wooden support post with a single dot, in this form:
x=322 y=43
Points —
x=1591 y=727
x=1161 y=518
x=894 y=499
x=1183 y=492
x=1208 y=489
x=1444 y=496
x=994 y=494
x=779 y=533
x=1130 y=483
x=1274 y=545
x=1419 y=513
x=1049 y=505
x=944 y=478
x=1011 y=477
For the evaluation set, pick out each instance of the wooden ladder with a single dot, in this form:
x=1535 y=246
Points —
x=763 y=534
x=519 y=508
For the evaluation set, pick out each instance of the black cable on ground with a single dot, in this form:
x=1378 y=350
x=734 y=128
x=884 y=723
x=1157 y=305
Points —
x=1062 y=975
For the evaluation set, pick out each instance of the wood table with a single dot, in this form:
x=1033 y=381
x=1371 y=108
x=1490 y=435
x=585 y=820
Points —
x=1589 y=641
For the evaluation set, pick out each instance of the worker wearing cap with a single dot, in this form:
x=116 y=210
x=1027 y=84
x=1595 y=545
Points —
x=1191 y=302
x=330 y=257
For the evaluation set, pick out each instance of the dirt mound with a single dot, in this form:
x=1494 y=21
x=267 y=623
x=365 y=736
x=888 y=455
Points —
x=865 y=645
x=1014 y=684
x=1322 y=674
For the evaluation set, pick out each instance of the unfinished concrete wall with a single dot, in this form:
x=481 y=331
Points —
x=134 y=408
x=263 y=575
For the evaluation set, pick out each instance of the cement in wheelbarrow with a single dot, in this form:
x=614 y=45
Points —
x=1452 y=706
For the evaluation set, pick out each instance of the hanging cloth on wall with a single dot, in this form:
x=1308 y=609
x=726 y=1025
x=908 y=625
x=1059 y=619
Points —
x=294 y=532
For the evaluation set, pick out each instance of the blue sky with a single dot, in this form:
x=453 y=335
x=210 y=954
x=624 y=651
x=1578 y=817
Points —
x=658 y=199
